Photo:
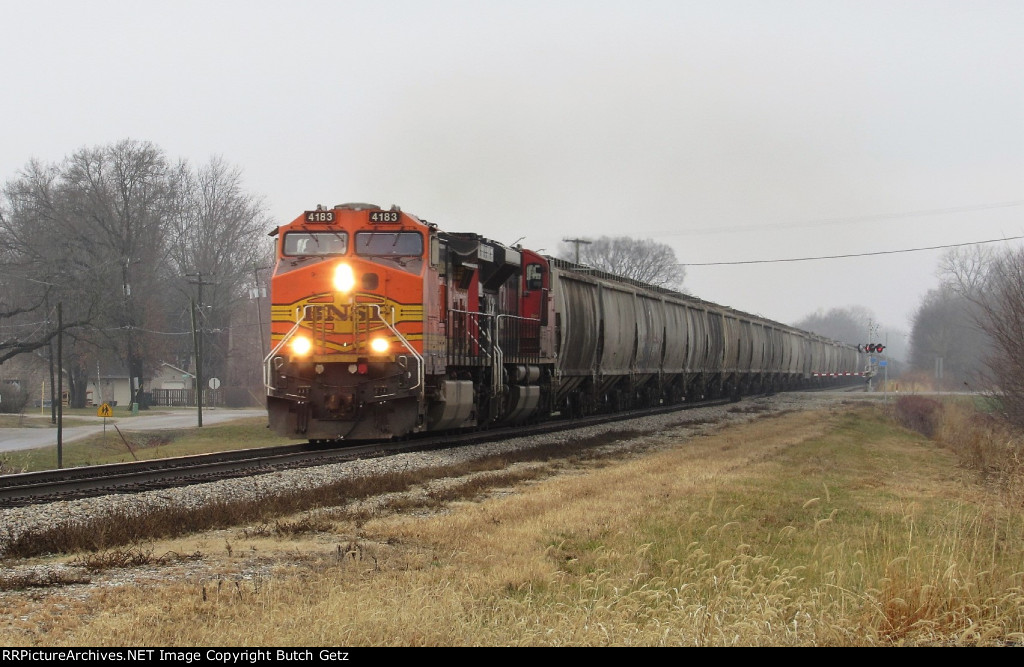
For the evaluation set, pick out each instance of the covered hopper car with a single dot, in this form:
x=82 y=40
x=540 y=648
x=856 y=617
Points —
x=384 y=325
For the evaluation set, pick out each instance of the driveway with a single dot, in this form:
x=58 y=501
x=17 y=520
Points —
x=28 y=438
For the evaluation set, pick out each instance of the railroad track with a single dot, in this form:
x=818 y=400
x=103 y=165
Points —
x=138 y=476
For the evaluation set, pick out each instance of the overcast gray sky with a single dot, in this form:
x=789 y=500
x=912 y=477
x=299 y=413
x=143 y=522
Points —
x=731 y=130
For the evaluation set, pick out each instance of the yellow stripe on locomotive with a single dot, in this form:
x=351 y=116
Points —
x=340 y=328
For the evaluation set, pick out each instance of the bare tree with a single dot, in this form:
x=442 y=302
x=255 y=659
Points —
x=646 y=261
x=965 y=270
x=39 y=265
x=110 y=232
x=218 y=241
x=1002 y=318
x=946 y=335
x=118 y=197
x=849 y=325
x=90 y=230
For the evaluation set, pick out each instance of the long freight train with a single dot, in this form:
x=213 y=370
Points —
x=384 y=325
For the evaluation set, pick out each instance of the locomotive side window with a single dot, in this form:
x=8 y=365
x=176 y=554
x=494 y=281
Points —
x=297 y=244
x=534 y=276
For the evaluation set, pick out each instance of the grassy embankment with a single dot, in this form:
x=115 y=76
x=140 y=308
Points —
x=128 y=445
x=818 y=528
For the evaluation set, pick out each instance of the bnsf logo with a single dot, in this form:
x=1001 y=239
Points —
x=327 y=313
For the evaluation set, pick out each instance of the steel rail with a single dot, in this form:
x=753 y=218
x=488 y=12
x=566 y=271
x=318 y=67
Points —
x=131 y=477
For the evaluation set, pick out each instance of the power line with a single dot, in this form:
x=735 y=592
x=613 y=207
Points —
x=861 y=254
x=839 y=221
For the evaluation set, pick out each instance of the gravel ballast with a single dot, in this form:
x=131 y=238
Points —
x=682 y=424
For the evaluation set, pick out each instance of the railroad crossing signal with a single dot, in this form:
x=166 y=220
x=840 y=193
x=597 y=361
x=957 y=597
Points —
x=105 y=411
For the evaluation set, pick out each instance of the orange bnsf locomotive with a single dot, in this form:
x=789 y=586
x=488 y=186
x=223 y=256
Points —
x=384 y=325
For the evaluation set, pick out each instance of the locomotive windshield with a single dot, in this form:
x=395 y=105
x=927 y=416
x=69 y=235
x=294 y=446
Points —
x=389 y=244
x=403 y=250
x=315 y=243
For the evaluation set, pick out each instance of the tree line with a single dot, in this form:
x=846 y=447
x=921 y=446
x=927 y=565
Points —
x=125 y=239
x=967 y=333
x=976 y=317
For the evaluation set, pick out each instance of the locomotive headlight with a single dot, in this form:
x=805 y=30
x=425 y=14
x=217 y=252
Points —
x=379 y=345
x=301 y=346
x=344 y=278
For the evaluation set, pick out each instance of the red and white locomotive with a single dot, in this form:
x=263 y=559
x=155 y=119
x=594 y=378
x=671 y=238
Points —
x=385 y=325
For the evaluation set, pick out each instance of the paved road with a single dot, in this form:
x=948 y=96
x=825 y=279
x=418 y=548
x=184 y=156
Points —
x=27 y=438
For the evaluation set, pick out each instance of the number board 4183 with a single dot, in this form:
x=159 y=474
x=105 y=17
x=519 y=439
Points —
x=383 y=216
x=320 y=216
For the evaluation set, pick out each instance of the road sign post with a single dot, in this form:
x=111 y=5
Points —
x=104 y=411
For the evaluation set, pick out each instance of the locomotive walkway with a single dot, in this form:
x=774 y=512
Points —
x=44 y=434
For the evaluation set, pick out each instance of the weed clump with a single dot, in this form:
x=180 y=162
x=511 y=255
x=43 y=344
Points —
x=126 y=558
x=40 y=579
x=9 y=468
x=919 y=414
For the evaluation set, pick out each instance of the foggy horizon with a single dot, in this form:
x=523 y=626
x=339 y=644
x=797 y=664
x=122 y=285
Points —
x=733 y=132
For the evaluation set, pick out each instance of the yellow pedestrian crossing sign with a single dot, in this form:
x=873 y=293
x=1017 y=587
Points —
x=105 y=411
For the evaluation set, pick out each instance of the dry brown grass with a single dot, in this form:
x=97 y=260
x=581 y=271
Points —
x=823 y=528
x=121 y=528
x=128 y=558
x=43 y=578
x=986 y=444
x=9 y=468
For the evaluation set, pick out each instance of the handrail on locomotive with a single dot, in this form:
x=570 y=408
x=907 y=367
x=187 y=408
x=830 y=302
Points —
x=300 y=317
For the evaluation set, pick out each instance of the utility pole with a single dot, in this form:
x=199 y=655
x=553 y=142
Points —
x=198 y=350
x=257 y=294
x=60 y=385
x=197 y=342
x=134 y=363
x=885 y=375
x=578 y=243
x=53 y=377
x=872 y=368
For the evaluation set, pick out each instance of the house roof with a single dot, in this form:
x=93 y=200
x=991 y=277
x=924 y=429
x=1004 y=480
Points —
x=179 y=370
